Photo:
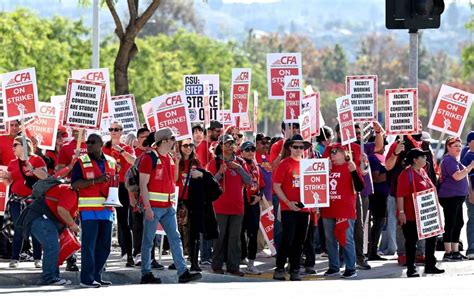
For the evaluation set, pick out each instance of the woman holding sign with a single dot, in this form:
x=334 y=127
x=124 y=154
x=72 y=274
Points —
x=411 y=181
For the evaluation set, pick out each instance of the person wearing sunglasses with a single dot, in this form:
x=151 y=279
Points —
x=237 y=135
x=124 y=155
x=203 y=150
x=67 y=156
x=453 y=191
x=21 y=175
x=294 y=218
x=339 y=218
x=229 y=208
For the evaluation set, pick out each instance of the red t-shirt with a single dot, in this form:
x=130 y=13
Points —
x=182 y=179
x=275 y=150
x=405 y=189
x=288 y=175
x=122 y=164
x=6 y=149
x=67 y=152
x=342 y=195
x=257 y=179
x=18 y=185
x=203 y=152
x=66 y=198
x=231 y=202
x=138 y=152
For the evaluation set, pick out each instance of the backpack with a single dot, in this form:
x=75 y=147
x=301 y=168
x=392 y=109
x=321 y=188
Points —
x=132 y=176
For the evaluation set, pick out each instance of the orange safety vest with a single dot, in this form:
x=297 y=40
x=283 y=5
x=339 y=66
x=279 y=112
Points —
x=161 y=187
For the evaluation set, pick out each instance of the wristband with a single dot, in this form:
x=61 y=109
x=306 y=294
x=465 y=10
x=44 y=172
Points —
x=401 y=212
x=121 y=151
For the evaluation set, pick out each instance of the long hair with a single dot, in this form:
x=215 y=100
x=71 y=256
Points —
x=193 y=159
x=29 y=145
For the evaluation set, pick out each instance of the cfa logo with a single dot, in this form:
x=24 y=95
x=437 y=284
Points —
x=173 y=100
x=462 y=98
x=288 y=60
x=94 y=76
x=318 y=166
x=295 y=83
x=48 y=110
x=244 y=76
x=23 y=77
x=345 y=103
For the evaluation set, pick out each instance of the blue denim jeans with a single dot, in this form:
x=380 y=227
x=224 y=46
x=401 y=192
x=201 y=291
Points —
x=167 y=218
x=332 y=245
x=17 y=244
x=388 y=245
x=277 y=228
x=206 y=249
x=96 y=240
x=47 y=234
x=470 y=227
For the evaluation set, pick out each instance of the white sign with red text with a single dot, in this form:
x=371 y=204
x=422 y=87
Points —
x=314 y=191
x=195 y=93
x=255 y=112
x=147 y=110
x=346 y=120
x=123 y=108
x=225 y=117
x=267 y=221
x=311 y=102
x=170 y=111
x=363 y=94
x=59 y=101
x=84 y=104
x=427 y=214
x=240 y=90
x=305 y=125
x=99 y=75
x=243 y=122
x=44 y=126
x=3 y=192
x=293 y=97
x=451 y=110
x=279 y=66
x=401 y=111
x=20 y=92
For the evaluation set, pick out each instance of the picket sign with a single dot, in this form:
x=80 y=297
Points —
x=314 y=191
x=240 y=90
x=20 y=92
x=362 y=91
x=195 y=93
x=279 y=66
x=401 y=111
x=170 y=110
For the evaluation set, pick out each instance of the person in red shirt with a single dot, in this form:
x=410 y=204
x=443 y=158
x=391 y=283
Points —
x=21 y=175
x=237 y=135
x=68 y=155
x=6 y=141
x=142 y=146
x=53 y=155
x=125 y=157
x=198 y=134
x=294 y=218
x=340 y=216
x=411 y=180
x=229 y=208
x=203 y=150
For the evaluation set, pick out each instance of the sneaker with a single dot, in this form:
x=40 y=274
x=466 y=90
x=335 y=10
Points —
x=124 y=257
x=244 y=261
x=263 y=254
x=93 y=285
x=205 y=263
x=349 y=274
x=172 y=267
x=470 y=256
x=464 y=258
x=14 y=264
x=332 y=273
x=138 y=259
x=149 y=279
x=412 y=273
x=130 y=262
x=376 y=257
x=72 y=267
x=433 y=270
x=363 y=265
x=324 y=255
x=309 y=270
x=218 y=271
x=59 y=282
x=448 y=257
x=251 y=269
x=295 y=275
x=38 y=264
x=105 y=283
x=188 y=277
x=456 y=256
x=156 y=265
x=279 y=274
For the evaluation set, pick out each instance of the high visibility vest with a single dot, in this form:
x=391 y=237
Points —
x=161 y=187
x=93 y=197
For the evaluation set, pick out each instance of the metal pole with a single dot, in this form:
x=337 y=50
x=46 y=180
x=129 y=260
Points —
x=413 y=59
x=95 y=34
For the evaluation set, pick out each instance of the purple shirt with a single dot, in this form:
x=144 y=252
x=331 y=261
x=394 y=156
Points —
x=375 y=165
x=449 y=187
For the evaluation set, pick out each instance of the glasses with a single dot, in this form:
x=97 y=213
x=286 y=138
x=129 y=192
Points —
x=239 y=135
x=229 y=144
x=298 y=147
x=115 y=129
x=187 y=146
x=91 y=142
x=15 y=145
x=250 y=149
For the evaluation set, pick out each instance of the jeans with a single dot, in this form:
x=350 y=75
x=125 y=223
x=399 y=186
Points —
x=227 y=248
x=47 y=234
x=167 y=218
x=206 y=249
x=388 y=245
x=17 y=244
x=96 y=241
x=470 y=227
x=277 y=224
x=295 y=225
x=332 y=245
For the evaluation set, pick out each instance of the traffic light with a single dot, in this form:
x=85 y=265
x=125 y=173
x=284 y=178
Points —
x=413 y=14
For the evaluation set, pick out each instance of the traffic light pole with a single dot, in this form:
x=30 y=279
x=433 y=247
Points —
x=413 y=59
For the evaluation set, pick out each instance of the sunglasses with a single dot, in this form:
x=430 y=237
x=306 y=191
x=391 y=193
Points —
x=298 y=147
x=239 y=135
x=91 y=142
x=115 y=129
x=229 y=144
x=250 y=149
x=16 y=144
x=189 y=145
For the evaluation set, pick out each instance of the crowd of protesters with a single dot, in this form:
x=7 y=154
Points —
x=224 y=181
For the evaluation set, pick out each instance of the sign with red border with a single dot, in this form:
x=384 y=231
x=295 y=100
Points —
x=363 y=94
x=401 y=111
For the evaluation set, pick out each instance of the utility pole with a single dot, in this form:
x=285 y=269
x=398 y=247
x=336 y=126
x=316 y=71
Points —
x=95 y=34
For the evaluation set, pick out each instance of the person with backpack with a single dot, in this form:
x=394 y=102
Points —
x=21 y=175
x=157 y=191
x=229 y=208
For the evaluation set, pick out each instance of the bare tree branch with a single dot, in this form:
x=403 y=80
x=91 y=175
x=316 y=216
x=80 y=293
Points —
x=141 y=21
x=133 y=11
x=118 y=24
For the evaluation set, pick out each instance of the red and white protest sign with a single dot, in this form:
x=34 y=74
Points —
x=240 y=90
x=44 y=126
x=194 y=90
x=305 y=125
x=451 y=110
x=243 y=122
x=293 y=97
x=310 y=102
x=427 y=214
x=123 y=108
x=84 y=104
x=225 y=117
x=3 y=192
x=267 y=220
x=401 y=111
x=170 y=111
x=147 y=110
x=314 y=191
x=362 y=91
x=59 y=101
x=4 y=128
x=346 y=120
x=279 y=66
x=20 y=92
x=99 y=75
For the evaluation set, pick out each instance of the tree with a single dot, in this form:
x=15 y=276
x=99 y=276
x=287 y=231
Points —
x=335 y=65
x=468 y=53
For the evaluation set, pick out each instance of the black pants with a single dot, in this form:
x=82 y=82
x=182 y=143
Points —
x=250 y=226
x=227 y=245
x=377 y=208
x=308 y=249
x=453 y=220
x=123 y=220
x=294 y=226
x=193 y=233
x=411 y=237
